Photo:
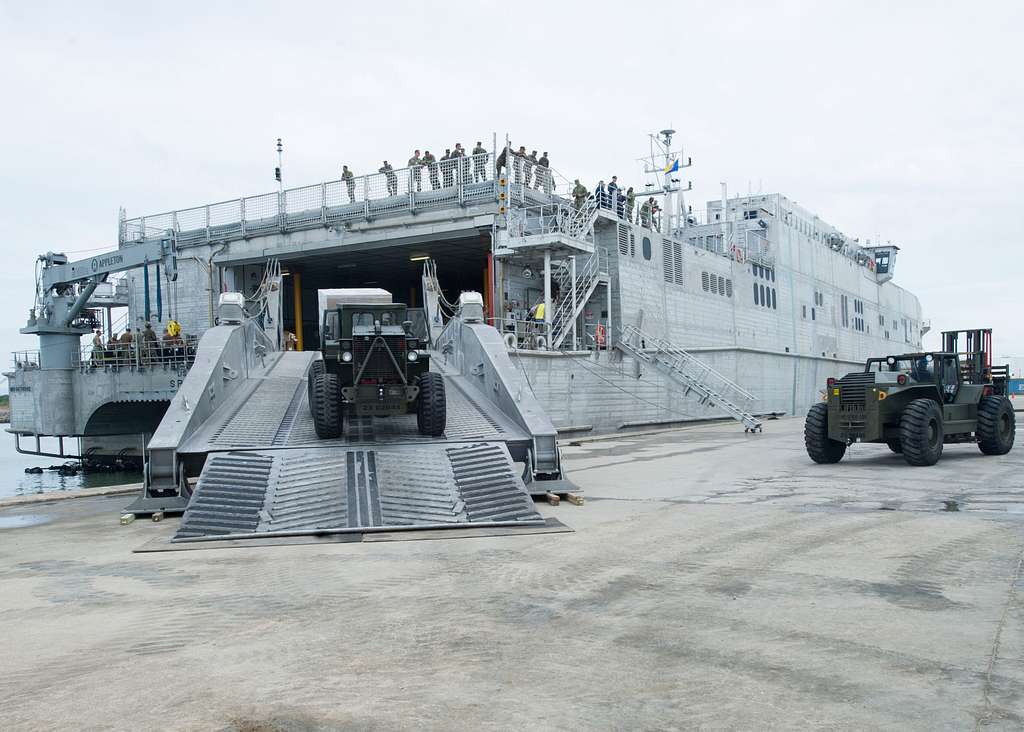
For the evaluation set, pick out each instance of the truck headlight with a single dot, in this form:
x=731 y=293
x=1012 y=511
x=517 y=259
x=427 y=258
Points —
x=346 y=356
x=413 y=356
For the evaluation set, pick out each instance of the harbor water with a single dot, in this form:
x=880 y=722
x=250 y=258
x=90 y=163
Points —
x=16 y=482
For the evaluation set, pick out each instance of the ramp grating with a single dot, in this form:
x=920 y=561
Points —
x=229 y=496
x=341 y=489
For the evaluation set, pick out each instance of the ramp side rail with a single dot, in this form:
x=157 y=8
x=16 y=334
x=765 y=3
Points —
x=481 y=356
x=227 y=355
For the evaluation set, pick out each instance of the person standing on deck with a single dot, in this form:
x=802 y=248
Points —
x=579 y=195
x=479 y=162
x=350 y=183
x=601 y=195
x=502 y=162
x=416 y=169
x=98 y=348
x=389 y=177
x=645 y=214
x=431 y=162
x=517 y=163
x=149 y=344
x=630 y=203
x=542 y=173
x=528 y=164
x=613 y=193
x=446 y=167
x=461 y=163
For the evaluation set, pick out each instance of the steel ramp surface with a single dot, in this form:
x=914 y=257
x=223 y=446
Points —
x=274 y=413
x=290 y=491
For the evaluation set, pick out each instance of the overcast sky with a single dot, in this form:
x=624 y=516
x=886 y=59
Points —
x=900 y=120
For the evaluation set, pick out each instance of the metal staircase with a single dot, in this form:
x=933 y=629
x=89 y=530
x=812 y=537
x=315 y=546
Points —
x=574 y=294
x=710 y=388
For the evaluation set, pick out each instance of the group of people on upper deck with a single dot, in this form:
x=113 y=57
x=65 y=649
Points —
x=612 y=198
x=457 y=166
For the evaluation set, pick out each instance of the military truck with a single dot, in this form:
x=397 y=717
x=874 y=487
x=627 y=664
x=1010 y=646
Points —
x=915 y=403
x=373 y=365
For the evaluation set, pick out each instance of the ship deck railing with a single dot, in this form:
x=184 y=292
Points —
x=138 y=355
x=464 y=181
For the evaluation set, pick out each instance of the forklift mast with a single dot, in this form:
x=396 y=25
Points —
x=974 y=350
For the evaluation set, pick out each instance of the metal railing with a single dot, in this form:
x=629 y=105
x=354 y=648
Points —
x=139 y=354
x=464 y=180
x=523 y=335
x=25 y=359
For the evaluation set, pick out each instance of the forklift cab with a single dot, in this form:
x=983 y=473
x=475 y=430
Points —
x=949 y=377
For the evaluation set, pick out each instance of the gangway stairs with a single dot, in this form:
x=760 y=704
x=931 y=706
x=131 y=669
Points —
x=577 y=280
x=710 y=388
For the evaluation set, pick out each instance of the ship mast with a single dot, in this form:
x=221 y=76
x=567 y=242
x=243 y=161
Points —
x=667 y=163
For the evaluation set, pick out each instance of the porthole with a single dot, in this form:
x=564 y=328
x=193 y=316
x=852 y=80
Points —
x=646 y=247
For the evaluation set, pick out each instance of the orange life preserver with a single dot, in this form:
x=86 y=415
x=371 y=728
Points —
x=737 y=254
x=599 y=335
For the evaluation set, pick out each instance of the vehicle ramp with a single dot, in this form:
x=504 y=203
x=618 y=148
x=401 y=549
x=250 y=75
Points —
x=267 y=474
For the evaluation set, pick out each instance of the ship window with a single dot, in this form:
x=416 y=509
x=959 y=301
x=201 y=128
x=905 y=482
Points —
x=704 y=281
x=812 y=314
x=756 y=300
x=764 y=298
x=774 y=306
x=646 y=245
x=757 y=270
x=881 y=319
x=748 y=215
x=803 y=312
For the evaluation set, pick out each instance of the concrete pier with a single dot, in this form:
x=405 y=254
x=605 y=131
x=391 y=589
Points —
x=713 y=580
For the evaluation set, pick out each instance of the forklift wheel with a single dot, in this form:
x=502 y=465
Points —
x=820 y=447
x=922 y=432
x=997 y=425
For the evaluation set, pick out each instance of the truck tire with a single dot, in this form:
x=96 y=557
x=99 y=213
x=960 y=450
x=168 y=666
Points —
x=820 y=447
x=326 y=406
x=317 y=367
x=921 y=432
x=431 y=406
x=997 y=425
x=895 y=445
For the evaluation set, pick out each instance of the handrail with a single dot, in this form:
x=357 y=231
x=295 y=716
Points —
x=457 y=181
x=635 y=337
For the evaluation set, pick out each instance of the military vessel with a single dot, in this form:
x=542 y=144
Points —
x=653 y=312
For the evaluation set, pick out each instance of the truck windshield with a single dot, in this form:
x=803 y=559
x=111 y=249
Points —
x=362 y=320
x=920 y=368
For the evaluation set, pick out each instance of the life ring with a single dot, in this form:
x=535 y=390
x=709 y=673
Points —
x=599 y=335
x=542 y=343
x=510 y=341
x=737 y=254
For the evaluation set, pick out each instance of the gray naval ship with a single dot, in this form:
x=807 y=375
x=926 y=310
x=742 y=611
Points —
x=651 y=313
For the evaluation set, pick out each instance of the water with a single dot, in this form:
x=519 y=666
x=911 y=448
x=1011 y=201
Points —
x=15 y=482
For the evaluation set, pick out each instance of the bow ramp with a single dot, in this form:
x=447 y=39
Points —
x=265 y=473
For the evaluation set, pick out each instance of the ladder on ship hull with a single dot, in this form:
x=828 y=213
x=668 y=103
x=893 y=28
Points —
x=710 y=388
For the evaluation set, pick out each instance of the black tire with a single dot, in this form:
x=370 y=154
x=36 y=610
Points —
x=922 y=432
x=317 y=367
x=895 y=445
x=820 y=447
x=431 y=406
x=326 y=406
x=997 y=425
